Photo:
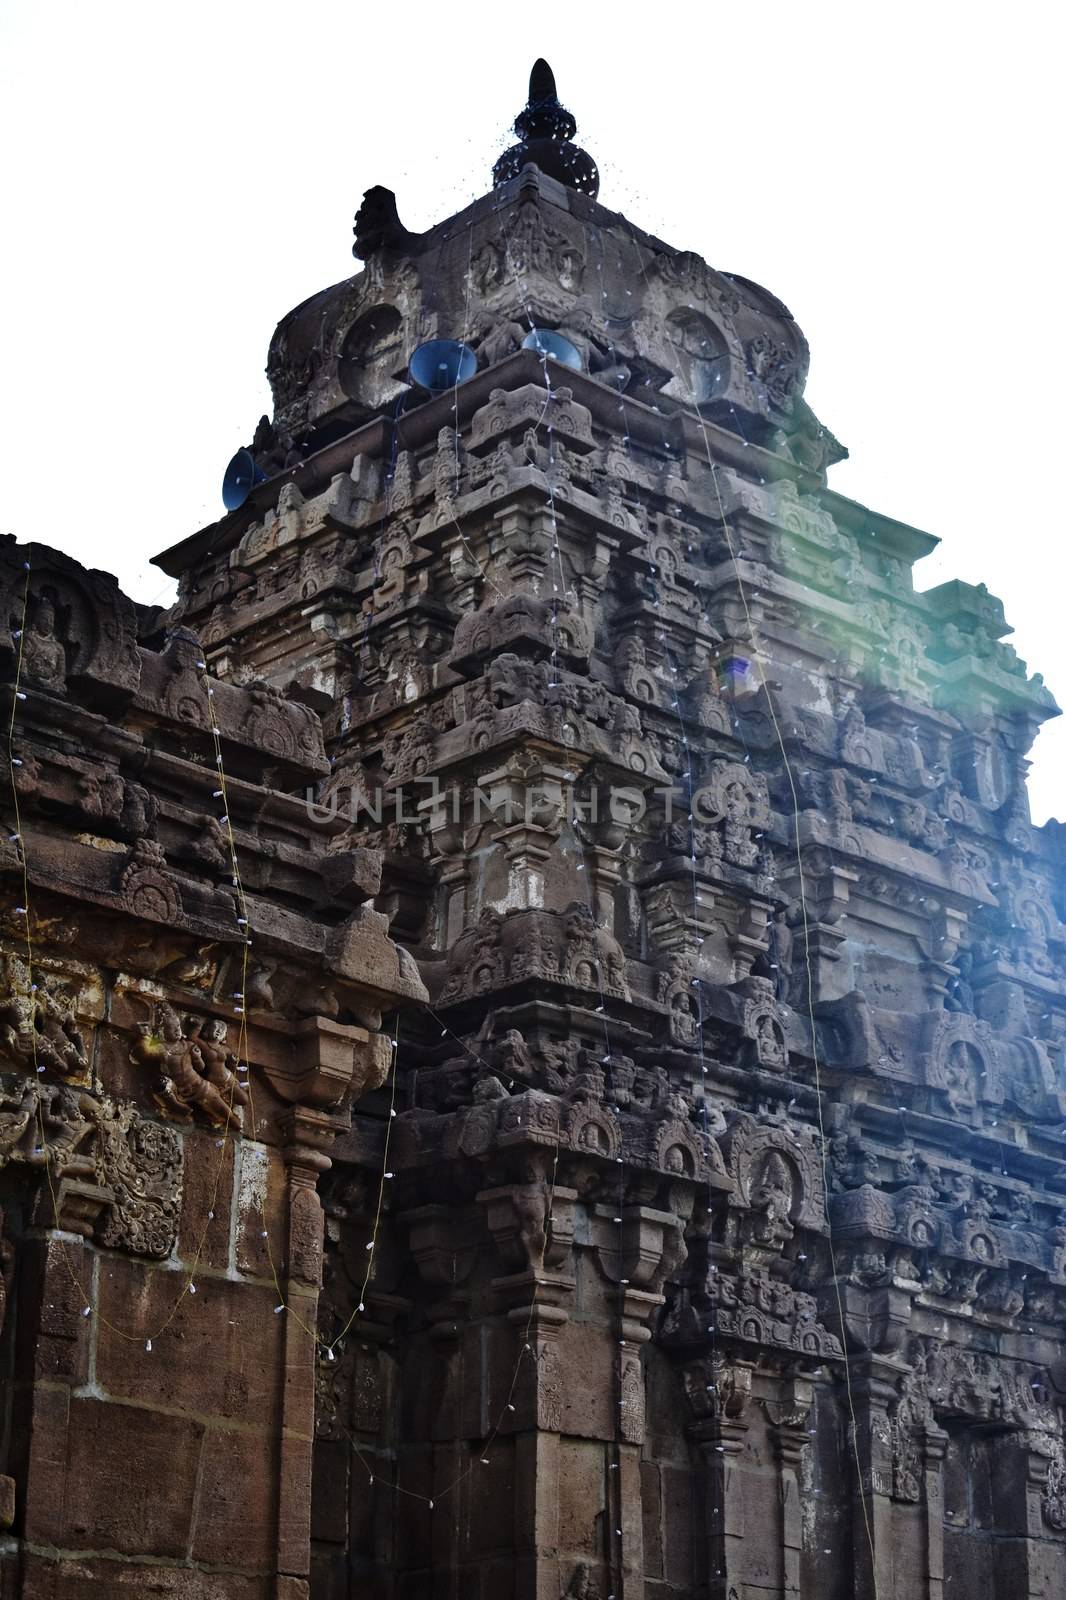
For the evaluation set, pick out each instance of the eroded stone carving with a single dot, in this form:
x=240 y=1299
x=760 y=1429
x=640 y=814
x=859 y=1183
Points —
x=195 y=1071
x=38 y=1022
x=48 y=1125
x=655 y=1028
x=141 y=1162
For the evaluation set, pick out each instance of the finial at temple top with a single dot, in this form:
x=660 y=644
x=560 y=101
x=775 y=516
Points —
x=545 y=129
x=541 y=82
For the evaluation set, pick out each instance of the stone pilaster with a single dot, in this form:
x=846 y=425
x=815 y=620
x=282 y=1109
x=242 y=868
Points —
x=310 y=1134
x=721 y=1390
x=789 y=1418
x=872 y=1390
x=934 y=1446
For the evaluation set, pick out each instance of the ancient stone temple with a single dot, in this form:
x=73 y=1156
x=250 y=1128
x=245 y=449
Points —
x=533 y=1035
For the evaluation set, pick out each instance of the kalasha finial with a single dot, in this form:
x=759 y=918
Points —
x=546 y=128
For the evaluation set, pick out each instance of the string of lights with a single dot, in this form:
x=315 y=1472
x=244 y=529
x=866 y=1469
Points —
x=689 y=780
x=761 y=656
x=242 y=1079
x=526 y=1349
x=25 y=911
x=559 y=584
x=614 y=1524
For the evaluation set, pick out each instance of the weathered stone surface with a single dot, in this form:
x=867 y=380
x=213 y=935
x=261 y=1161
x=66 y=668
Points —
x=162 y=1030
x=76 y=1578
x=697 y=1226
x=127 y=1482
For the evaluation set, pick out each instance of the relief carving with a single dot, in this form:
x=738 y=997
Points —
x=48 y=1125
x=145 y=885
x=141 y=1162
x=194 y=1069
x=38 y=1023
x=76 y=1135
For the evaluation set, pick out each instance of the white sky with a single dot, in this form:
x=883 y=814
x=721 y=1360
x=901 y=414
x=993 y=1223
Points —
x=177 y=178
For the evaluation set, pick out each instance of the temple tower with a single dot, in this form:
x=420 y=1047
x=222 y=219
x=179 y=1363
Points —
x=723 y=1238
x=709 y=1237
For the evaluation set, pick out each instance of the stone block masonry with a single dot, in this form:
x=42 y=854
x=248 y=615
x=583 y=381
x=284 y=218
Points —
x=665 y=1202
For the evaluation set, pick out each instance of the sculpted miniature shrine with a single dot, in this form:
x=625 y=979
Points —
x=533 y=1034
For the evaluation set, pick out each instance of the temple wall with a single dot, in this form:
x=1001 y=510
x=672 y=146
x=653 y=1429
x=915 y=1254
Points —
x=183 y=1031
x=555 y=877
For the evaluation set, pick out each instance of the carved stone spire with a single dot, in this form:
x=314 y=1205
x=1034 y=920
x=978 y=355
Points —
x=545 y=129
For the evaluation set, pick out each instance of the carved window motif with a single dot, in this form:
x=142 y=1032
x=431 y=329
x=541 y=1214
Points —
x=374 y=340
x=701 y=352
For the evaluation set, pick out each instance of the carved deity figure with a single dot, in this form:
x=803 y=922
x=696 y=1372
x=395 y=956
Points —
x=515 y=1058
x=488 y=1088
x=962 y=1074
x=194 y=1071
x=18 y=1113
x=629 y=658
x=853 y=734
x=582 y=1585
x=684 y=1024
x=837 y=801
x=217 y=1058
x=674 y=1160
x=769 y=1042
x=771 y=1201
x=705 y=697
x=739 y=847
x=44 y=660
x=853 y=1164
x=589 y=1082
x=39 y=1029
x=47 y=1125
x=781 y=945
x=560 y=1058
x=592 y=1137
x=69 y=1119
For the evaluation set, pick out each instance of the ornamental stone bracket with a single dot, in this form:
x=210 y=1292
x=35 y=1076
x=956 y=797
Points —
x=316 y=1061
x=532 y=1224
x=873 y=1319
x=790 y=1410
x=311 y=1061
x=444 y=1244
x=718 y=1389
x=638 y=1248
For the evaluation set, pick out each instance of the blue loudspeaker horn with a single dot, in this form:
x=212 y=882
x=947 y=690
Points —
x=242 y=475
x=547 y=343
x=441 y=364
